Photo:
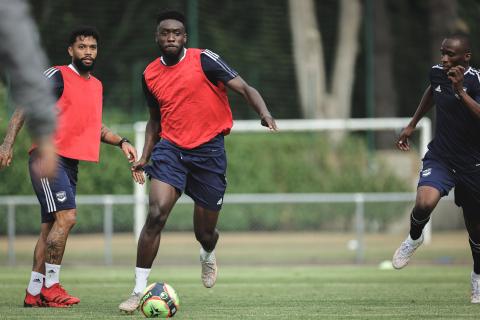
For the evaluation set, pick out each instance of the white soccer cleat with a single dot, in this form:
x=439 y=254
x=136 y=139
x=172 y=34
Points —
x=209 y=268
x=475 y=298
x=402 y=256
x=131 y=304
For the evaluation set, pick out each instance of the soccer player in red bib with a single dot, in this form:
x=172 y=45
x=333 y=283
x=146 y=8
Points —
x=77 y=138
x=189 y=117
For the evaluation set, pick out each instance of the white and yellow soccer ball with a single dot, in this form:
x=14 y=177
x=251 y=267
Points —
x=159 y=300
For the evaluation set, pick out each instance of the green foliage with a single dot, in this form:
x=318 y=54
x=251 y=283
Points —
x=283 y=162
x=257 y=163
x=304 y=162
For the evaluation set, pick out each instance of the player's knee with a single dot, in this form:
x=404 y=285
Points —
x=67 y=219
x=203 y=236
x=157 y=217
x=423 y=208
x=44 y=233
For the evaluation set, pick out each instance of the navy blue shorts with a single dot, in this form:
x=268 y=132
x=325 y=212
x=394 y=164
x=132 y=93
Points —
x=443 y=177
x=199 y=172
x=56 y=194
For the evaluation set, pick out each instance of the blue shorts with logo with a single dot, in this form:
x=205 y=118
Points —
x=443 y=177
x=55 y=194
x=199 y=172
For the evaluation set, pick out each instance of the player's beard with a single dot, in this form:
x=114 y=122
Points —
x=82 y=67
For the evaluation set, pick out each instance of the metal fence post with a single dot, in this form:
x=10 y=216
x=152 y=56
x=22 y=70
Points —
x=108 y=229
x=425 y=138
x=360 y=227
x=11 y=233
x=140 y=190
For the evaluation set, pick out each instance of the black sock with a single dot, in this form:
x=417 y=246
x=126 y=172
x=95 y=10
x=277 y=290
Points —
x=417 y=224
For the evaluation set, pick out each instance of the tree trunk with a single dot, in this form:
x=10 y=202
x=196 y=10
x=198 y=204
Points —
x=308 y=56
x=385 y=93
x=444 y=20
x=339 y=105
x=316 y=102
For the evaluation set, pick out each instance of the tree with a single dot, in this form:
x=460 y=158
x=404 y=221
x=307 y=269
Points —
x=444 y=20
x=317 y=98
x=385 y=94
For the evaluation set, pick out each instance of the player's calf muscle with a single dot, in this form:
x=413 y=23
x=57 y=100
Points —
x=56 y=245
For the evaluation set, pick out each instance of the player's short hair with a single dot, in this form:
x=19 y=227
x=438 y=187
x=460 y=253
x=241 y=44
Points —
x=86 y=31
x=463 y=38
x=171 y=14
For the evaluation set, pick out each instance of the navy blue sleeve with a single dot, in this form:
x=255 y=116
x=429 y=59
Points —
x=474 y=91
x=431 y=74
x=215 y=68
x=151 y=100
x=55 y=80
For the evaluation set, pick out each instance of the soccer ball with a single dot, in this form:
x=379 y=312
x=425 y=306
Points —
x=159 y=300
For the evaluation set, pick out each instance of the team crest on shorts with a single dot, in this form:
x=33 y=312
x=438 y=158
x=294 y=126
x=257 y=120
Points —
x=426 y=172
x=61 y=196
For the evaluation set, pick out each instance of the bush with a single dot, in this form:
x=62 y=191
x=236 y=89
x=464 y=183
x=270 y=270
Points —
x=257 y=163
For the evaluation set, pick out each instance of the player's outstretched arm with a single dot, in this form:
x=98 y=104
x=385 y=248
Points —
x=151 y=138
x=14 y=126
x=109 y=137
x=254 y=99
x=45 y=164
x=426 y=103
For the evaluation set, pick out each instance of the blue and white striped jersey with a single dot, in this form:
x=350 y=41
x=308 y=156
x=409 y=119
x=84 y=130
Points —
x=55 y=80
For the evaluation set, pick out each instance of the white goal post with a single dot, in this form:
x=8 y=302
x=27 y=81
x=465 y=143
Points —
x=293 y=125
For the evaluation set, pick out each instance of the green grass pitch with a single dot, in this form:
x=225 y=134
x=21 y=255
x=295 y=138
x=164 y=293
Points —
x=263 y=292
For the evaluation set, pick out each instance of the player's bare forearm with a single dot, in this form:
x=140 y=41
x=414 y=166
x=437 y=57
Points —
x=6 y=148
x=425 y=105
x=14 y=125
x=108 y=136
x=251 y=95
x=456 y=74
x=254 y=99
x=151 y=138
x=470 y=103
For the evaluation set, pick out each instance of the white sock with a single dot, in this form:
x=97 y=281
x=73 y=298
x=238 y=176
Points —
x=475 y=276
x=36 y=283
x=52 y=274
x=141 y=278
x=205 y=255
x=409 y=239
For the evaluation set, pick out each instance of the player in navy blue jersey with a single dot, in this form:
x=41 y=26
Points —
x=453 y=157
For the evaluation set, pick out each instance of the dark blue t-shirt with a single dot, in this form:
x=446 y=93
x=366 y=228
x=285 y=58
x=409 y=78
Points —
x=457 y=133
x=55 y=79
